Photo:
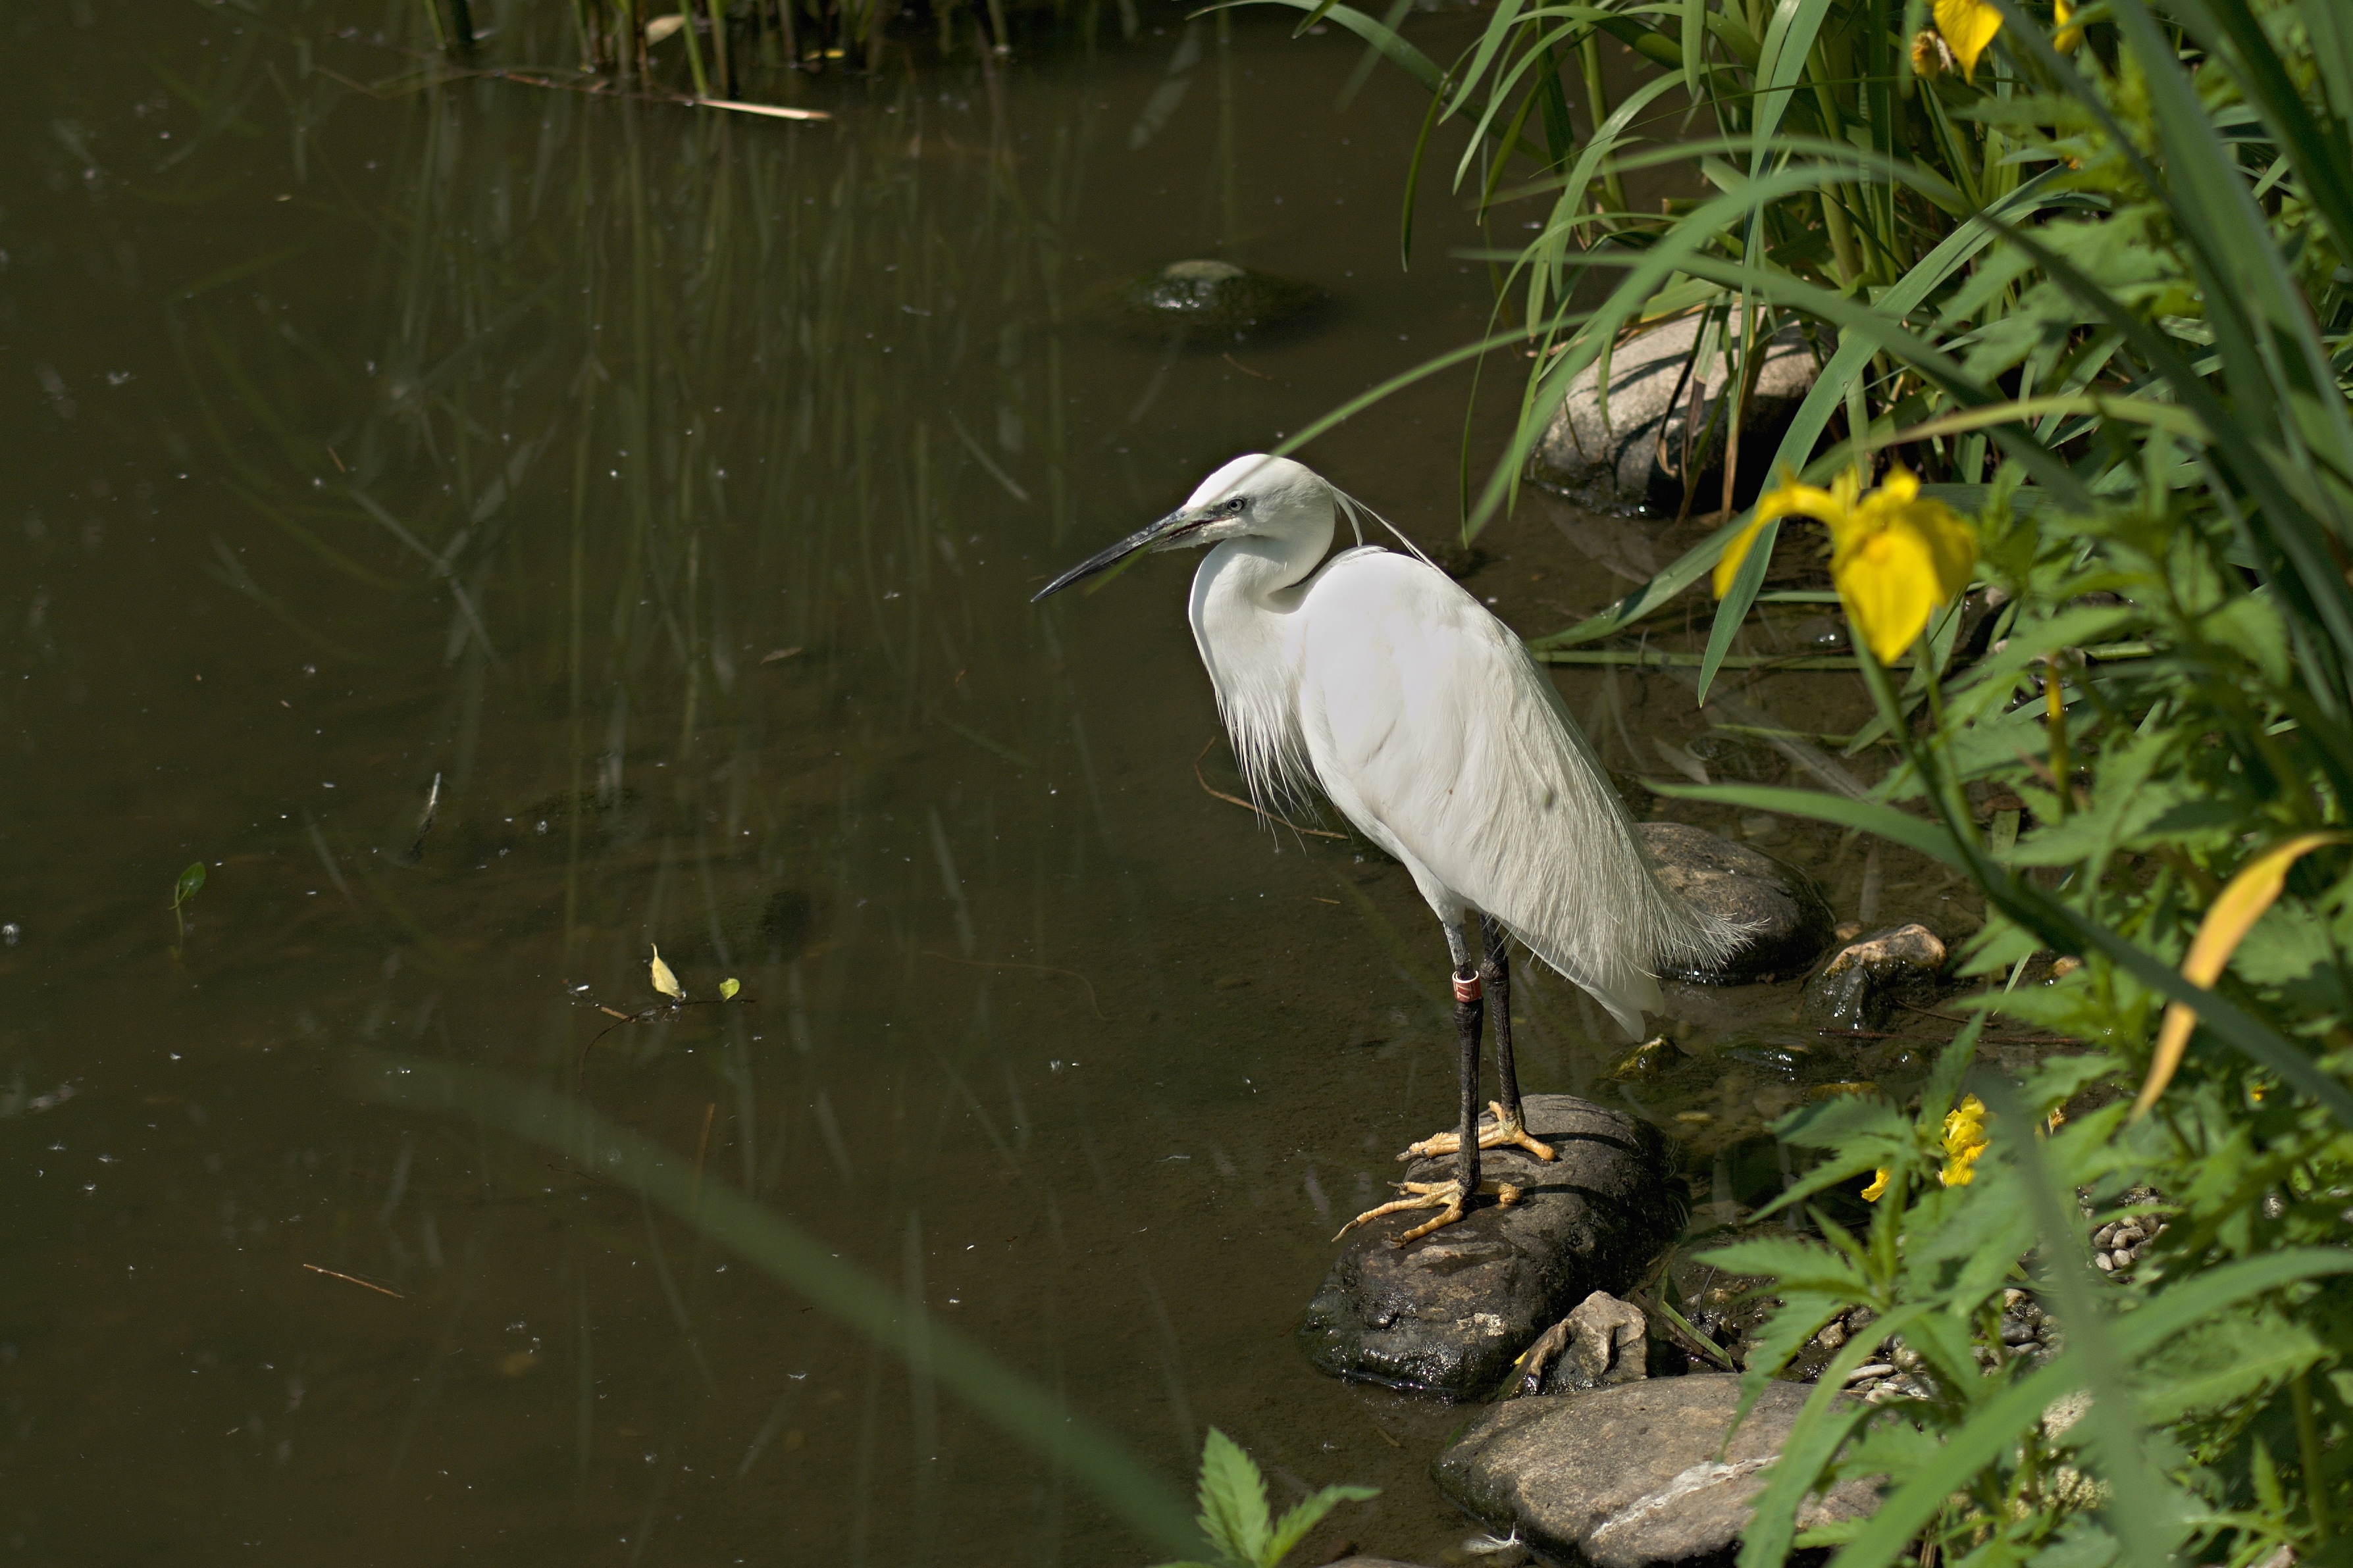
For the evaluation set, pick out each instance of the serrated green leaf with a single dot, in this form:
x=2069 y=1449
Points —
x=1294 y=1526
x=1233 y=1502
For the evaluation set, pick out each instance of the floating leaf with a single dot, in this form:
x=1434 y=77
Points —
x=728 y=987
x=664 y=981
x=191 y=883
x=2240 y=904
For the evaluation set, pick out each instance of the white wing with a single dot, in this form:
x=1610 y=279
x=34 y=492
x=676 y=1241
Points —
x=1432 y=729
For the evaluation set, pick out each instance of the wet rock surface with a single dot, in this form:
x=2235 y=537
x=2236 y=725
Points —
x=1789 y=919
x=1631 y=454
x=1604 y=1341
x=1632 y=1476
x=1860 y=987
x=1450 y=1313
x=1203 y=299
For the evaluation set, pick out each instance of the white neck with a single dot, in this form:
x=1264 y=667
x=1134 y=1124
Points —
x=1242 y=600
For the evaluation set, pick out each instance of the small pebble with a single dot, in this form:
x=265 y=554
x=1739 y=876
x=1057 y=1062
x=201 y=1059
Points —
x=1833 y=1335
x=2108 y=1264
x=1876 y=1369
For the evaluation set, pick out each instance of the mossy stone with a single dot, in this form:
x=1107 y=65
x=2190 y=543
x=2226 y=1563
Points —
x=1205 y=299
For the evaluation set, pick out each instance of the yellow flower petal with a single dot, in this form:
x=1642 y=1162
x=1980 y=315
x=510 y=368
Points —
x=1878 y=1188
x=1896 y=558
x=1965 y=1140
x=1968 y=25
x=2067 y=37
x=1790 y=499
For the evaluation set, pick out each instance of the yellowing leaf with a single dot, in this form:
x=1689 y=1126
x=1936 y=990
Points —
x=2236 y=909
x=1968 y=25
x=664 y=981
x=728 y=987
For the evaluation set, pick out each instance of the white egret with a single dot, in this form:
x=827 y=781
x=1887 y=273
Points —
x=1421 y=716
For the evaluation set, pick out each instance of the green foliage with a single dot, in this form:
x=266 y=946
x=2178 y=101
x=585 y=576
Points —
x=191 y=882
x=2103 y=295
x=1240 y=1528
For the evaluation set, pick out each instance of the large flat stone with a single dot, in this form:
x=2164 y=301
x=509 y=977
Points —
x=1448 y=1313
x=1628 y=456
x=1636 y=1476
x=1790 y=921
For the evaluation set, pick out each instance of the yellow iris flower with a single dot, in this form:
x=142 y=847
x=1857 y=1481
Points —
x=1969 y=27
x=1895 y=556
x=2067 y=37
x=1965 y=1140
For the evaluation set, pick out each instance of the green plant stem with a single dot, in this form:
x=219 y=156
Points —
x=719 y=50
x=694 y=52
x=2307 y=1444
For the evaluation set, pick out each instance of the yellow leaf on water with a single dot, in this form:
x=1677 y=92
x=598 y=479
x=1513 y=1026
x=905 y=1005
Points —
x=660 y=27
x=728 y=987
x=664 y=981
x=2236 y=909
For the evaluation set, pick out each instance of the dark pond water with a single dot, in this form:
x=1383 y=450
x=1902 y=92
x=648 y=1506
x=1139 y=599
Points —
x=659 y=495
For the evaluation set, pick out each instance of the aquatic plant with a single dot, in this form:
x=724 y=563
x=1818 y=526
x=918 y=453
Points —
x=1235 y=1518
x=2085 y=272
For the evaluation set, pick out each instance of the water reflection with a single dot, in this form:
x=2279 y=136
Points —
x=660 y=495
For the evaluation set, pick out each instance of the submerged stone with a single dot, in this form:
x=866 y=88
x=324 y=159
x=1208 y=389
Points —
x=1789 y=920
x=1666 y=417
x=1209 y=299
x=1635 y=1476
x=1860 y=988
x=1449 y=1313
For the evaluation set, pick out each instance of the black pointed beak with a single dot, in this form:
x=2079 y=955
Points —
x=1167 y=528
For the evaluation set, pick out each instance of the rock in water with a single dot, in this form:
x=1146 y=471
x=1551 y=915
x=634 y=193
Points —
x=1789 y=920
x=1603 y=1341
x=1632 y=1477
x=1860 y=987
x=1449 y=1313
x=1631 y=454
x=1198 y=300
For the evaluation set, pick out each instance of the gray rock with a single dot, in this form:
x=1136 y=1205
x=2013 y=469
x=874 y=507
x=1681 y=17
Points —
x=1200 y=299
x=1629 y=456
x=1449 y=1313
x=1860 y=987
x=1789 y=920
x=1603 y=1342
x=1632 y=1476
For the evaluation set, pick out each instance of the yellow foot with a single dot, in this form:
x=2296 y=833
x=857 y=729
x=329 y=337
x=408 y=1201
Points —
x=1444 y=1196
x=1504 y=1130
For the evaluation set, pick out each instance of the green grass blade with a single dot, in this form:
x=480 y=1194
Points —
x=1734 y=609
x=788 y=1254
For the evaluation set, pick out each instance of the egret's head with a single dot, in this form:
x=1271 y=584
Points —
x=1270 y=498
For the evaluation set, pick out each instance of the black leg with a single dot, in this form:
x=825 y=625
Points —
x=1496 y=976
x=1470 y=1012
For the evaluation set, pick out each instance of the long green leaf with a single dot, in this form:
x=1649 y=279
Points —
x=790 y=1255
